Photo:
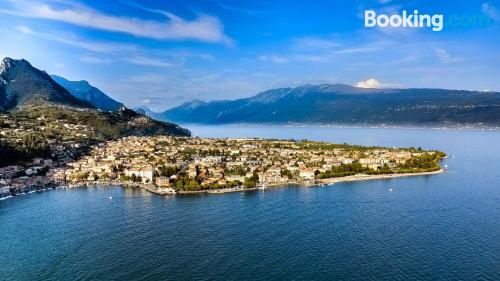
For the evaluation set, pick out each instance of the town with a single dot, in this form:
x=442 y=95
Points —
x=34 y=148
x=39 y=140
x=166 y=165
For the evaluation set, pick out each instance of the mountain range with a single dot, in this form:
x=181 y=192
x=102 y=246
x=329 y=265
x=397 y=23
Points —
x=22 y=84
x=346 y=105
x=28 y=91
x=86 y=92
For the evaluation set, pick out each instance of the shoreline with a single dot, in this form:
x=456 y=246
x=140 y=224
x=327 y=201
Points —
x=322 y=182
x=330 y=181
x=23 y=193
x=363 y=177
x=352 y=126
x=161 y=192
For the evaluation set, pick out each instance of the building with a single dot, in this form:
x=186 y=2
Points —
x=162 y=181
x=193 y=172
x=272 y=175
x=5 y=191
x=307 y=174
x=10 y=171
x=146 y=173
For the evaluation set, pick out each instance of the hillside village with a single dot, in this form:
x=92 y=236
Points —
x=170 y=164
x=33 y=147
x=43 y=126
x=38 y=140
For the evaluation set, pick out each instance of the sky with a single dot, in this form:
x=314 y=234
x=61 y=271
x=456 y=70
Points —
x=160 y=54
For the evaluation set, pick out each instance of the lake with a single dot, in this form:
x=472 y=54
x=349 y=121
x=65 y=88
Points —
x=440 y=227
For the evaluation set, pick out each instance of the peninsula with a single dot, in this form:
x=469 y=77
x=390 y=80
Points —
x=53 y=136
x=169 y=165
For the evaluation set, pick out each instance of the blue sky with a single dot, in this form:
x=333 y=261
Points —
x=162 y=53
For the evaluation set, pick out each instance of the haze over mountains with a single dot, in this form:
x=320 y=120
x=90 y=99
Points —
x=84 y=91
x=27 y=90
x=23 y=85
x=346 y=105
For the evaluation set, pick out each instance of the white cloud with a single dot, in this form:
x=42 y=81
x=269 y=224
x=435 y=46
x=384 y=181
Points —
x=317 y=50
x=356 y=50
x=73 y=40
x=275 y=59
x=147 y=78
x=314 y=43
x=172 y=87
x=94 y=60
x=295 y=58
x=370 y=83
x=250 y=12
x=444 y=56
x=313 y=58
x=148 y=61
x=98 y=47
x=155 y=11
x=491 y=11
x=125 y=52
x=24 y=29
x=203 y=28
x=57 y=64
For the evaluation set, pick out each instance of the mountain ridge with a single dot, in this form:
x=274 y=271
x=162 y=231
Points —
x=83 y=90
x=22 y=84
x=29 y=91
x=347 y=105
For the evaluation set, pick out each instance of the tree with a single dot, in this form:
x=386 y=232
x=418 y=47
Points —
x=193 y=185
x=252 y=181
x=179 y=184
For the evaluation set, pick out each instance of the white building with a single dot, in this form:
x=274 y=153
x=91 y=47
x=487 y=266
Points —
x=307 y=174
x=146 y=173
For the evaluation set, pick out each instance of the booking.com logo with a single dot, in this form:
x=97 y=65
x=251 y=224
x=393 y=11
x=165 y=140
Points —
x=416 y=20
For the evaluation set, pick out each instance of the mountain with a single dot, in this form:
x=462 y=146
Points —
x=27 y=93
x=21 y=84
x=140 y=111
x=345 y=104
x=146 y=111
x=86 y=92
x=40 y=118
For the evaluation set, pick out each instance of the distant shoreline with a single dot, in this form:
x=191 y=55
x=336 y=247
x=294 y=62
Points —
x=353 y=126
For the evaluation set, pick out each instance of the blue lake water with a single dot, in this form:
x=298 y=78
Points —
x=442 y=227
